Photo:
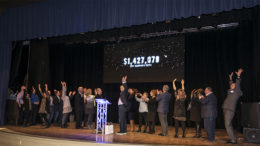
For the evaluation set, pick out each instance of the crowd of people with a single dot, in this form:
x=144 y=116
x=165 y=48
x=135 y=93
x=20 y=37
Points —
x=202 y=106
x=55 y=107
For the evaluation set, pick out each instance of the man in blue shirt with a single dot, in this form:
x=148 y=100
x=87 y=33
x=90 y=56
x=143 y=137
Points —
x=35 y=105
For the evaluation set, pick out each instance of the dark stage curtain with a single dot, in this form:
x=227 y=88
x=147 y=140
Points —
x=39 y=63
x=62 y=17
x=19 y=65
x=77 y=64
x=5 y=60
x=210 y=56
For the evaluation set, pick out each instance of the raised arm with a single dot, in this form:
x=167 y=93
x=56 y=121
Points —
x=230 y=78
x=138 y=99
x=238 y=81
x=173 y=84
x=182 y=85
x=192 y=93
x=46 y=89
x=158 y=97
x=40 y=89
x=125 y=92
x=64 y=89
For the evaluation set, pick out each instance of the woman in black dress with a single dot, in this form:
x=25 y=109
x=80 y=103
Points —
x=179 y=109
x=195 y=110
x=152 y=107
x=131 y=109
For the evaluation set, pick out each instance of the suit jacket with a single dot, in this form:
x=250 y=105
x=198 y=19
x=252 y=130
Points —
x=79 y=103
x=232 y=97
x=163 y=102
x=130 y=107
x=27 y=104
x=56 y=103
x=209 y=106
x=124 y=95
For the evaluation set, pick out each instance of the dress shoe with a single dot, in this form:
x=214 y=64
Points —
x=161 y=134
x=121 y=133
x=231 y=142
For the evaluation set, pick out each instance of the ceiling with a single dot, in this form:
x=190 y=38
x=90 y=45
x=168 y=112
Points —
x=5 y=4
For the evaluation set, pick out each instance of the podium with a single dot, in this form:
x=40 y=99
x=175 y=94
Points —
x=101 y=115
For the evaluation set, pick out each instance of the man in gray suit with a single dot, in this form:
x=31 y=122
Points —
x=163 y=100
x=230 y=103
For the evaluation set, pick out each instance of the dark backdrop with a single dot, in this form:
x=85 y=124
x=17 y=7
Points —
x=77 y=64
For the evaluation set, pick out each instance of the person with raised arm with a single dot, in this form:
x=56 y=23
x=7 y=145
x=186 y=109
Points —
x=66 y=105
x=58 y=106
x=44 y=105
x=143 y=110
x=122 y=105
x=35 y=105
x=195 y=110
x=163 y=98
x=229 y=106
x=179 y=108
x=209 y=112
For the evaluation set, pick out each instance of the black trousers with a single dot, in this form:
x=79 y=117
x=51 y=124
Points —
x=209 y=125
x=143 y=117
x=27 y=117
x=34 y=113
x=21 y=115
x=79 y=115
x=183 y=125
x=151 y=126
x=122 y=118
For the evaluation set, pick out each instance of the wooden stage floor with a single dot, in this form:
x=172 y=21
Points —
x=130 y=138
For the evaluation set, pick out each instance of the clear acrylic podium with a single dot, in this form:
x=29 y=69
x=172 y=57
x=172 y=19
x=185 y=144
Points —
x=101 y=115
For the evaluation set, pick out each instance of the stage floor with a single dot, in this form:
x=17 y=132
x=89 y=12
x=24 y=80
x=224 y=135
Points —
x=130 y=138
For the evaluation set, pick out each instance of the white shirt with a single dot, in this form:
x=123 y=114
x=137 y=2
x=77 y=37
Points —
x=119 y=100
x=208 y=93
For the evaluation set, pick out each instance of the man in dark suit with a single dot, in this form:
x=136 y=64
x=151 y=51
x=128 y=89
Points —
x=209 y=112
x=79 y=103
x=229 y=106
x=57 y=113
x=122 y=105
x=163 y=100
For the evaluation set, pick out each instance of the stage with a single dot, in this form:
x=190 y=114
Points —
x=70 y=136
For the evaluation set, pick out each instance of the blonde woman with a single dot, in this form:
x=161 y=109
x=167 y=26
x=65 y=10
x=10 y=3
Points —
x=179 y=108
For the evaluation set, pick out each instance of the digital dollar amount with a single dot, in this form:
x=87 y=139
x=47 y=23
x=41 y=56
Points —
x=141 y=61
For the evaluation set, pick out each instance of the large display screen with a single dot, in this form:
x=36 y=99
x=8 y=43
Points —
x=153 y=60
